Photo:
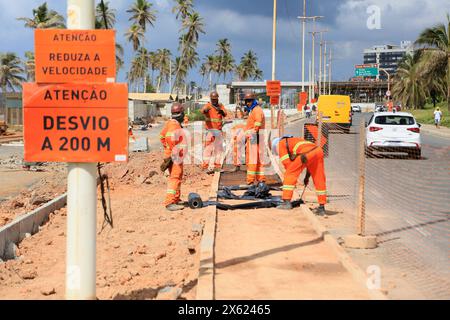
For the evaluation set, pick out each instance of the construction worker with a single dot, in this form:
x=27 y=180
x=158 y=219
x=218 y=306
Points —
x=130 y=133
x=215 y=114
x=296 y=154
x=255 y=143
x=174 y=143
x=185 y=120
x=237 y=131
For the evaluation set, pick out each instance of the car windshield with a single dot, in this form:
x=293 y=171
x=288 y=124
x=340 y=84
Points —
x=395 y=120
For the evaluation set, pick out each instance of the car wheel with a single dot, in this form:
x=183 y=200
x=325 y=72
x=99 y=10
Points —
x=416 y=154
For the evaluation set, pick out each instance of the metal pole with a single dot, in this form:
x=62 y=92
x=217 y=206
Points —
x=325 y=70
x=303 y=46
x=81 y=195
x=329 y=76
x=310 y=80
x=319 y=129
x=274 y=37
x=361 y=222
x=170 y=77
x=313 y=67
x=320 y=64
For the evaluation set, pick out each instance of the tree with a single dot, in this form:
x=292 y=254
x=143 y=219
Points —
x=43 y=18
x=437 y=58
x=142 y=13
x=135 y=35
x=10 y=71
x=30 y=68
x=163 y=57
x=248 y=67
x=226 y=60
x=183 y=8
x=408 y=86
x=193 y=25
x=105 y=17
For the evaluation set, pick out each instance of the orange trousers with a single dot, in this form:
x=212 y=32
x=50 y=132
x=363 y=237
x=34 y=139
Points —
x=255 y=167
x=213 y=148
x=316 y=168
x=174 y=184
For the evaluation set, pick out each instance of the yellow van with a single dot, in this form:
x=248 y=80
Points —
x=336 y=111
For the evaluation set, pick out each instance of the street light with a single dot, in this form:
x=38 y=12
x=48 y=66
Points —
x=314 y=18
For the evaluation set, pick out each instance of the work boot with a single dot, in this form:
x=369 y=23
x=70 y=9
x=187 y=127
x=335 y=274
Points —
x=320 y=211
x=210 y=171
x=285 y=205
x=174 y=207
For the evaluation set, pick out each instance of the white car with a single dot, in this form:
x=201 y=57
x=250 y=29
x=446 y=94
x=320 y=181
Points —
x=356 y=109
x=393 y=132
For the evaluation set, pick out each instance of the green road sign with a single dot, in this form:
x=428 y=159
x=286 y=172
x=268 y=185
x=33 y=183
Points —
x=366 y=71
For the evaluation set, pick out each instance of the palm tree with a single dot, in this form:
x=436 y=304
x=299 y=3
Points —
x=163 y=57
x=193 y=24
x=135 y=35
x=142 y=13
x=105 y=17
x=183 y=8
x=408 y=84
x=248 y=67
x=437 y=42
x=43 y=18
x=225 y=57
x=10 y=71
x=29 y=64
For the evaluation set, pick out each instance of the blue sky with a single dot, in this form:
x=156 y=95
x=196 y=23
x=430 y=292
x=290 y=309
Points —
x=248 y=25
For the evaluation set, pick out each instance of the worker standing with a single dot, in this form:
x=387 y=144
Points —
x=214 y=113
x=173 y=140
x=254 y=142
x=296 y=154
x=185 y=120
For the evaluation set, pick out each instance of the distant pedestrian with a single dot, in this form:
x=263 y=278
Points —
x=437 y=117
x=307 y=111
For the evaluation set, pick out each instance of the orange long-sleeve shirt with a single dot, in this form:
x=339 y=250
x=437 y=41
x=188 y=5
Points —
x=256 y=120
x=214 y=120
x=172 y=135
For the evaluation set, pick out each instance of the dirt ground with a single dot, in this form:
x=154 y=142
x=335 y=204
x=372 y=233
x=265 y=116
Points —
x=43 y=185
x=148 y=249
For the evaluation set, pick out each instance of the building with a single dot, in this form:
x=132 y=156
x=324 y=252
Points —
x=388 y=56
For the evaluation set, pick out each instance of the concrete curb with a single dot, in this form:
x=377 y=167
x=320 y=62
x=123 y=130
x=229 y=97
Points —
x=344 y=258
x=205 y=283
x=15 y=231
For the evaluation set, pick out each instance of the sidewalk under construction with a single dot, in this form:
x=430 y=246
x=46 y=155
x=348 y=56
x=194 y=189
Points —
x=273 y=254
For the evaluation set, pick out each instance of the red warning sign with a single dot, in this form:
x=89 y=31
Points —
x=75 y=123
x=274 y=100
x=75 y=55
x=273 y=88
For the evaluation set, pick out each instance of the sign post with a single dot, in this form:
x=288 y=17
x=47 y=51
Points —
x=366 y=70
x=273 y=90
x=81 y=195
x=76 y=113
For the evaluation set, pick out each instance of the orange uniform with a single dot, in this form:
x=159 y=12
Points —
x=173 y=140
x=214 y=137
x=186 y=120
x=236 y=132
x=255 y=145
x=314 y=164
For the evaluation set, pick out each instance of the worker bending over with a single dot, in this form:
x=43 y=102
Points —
x=297 y=154
x=214 y=113
x=255 y=143
x=175 y=144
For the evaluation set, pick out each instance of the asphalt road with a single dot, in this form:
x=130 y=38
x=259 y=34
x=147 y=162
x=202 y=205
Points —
x=407 y=207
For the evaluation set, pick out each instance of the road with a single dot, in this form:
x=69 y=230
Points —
x=407 y=207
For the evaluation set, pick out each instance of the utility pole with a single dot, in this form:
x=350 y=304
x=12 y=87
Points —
x=170 y=76
x=81 y=195
x=310 y=80
x=274 y=37
x=320 y=59
x=314 y=18
x=329 y=73
x=303 y=44
x=325 y=69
